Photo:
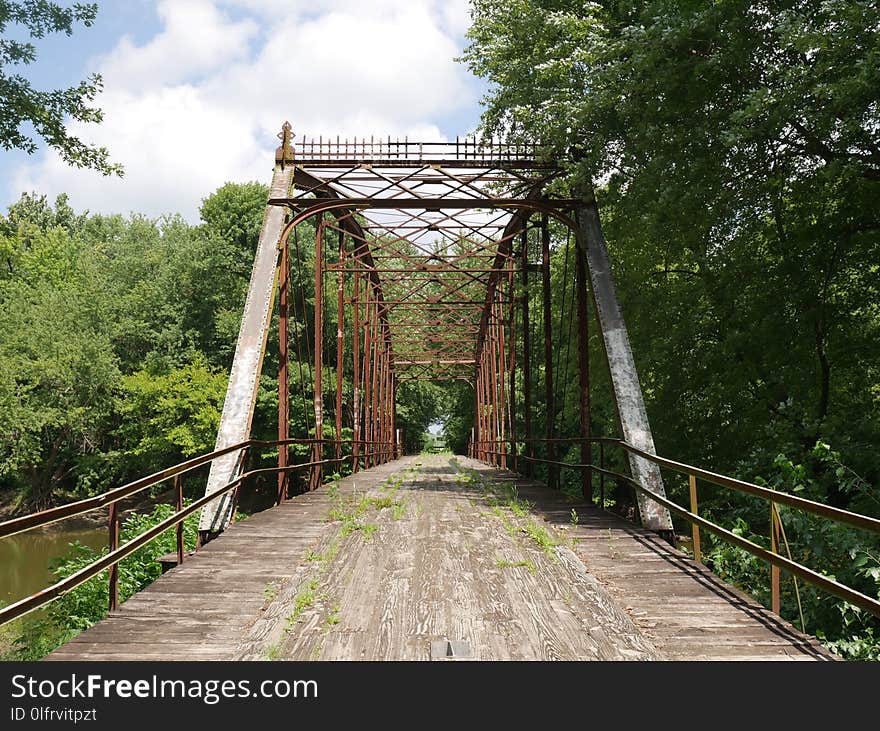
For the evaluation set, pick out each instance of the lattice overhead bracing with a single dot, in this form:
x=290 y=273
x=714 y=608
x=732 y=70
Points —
x=436 y=221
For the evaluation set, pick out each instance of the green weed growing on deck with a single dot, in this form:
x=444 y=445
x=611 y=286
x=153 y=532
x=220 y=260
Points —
x=305 y=599
x=501 y=564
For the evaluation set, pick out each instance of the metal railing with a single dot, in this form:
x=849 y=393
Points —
x=773 y=497
x=378 y=149
x=374 y=453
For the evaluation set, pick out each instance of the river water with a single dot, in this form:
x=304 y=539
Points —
x=25 y=559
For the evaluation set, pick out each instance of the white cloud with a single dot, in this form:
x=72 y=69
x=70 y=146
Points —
x=196 y=38
x=201 y=102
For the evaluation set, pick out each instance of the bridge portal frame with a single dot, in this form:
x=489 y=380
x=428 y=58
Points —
x=478 y=173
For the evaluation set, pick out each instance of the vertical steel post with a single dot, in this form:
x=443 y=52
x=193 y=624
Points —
x=374 y=389
x=481 y=430
x=583 y=317
x=695 y=529
x=178 y=490
x=487 y=410
x=493 y=386
x=527 y=356
x=356 y=377
x=775 y=603
x=283 y=373
x=340 y=346
x=550 y=416
x=113 y=545
x=394 y=434
x=502 y=387
x=316 y=473
x=511 y=367
x=368 y=364
x=380 y=403
x=389 y=401
x=386 y=407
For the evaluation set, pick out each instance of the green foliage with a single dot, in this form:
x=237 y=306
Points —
x=82 y=607
x=47 y=111
x=850 y=556
x=171 y=415
x=234 y=214
x=58 y=376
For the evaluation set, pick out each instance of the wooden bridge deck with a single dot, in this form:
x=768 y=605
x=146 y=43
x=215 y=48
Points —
x=427 y=557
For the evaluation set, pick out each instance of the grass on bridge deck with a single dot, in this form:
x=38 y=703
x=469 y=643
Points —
x=434 y=554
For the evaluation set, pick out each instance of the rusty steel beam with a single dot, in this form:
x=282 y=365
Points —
x=502 y=388
x=316 y=473
x=340 y=343
x=583 y=338
x=368 y=357
x=244 y=377
x=549 y=394
x=356 y=380
x=630 y=404
x=283 y=374
x=374 y=392
x=433 y=204
x=527 y=353
x=511 y=367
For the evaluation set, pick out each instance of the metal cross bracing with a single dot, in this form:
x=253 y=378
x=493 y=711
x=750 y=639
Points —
x=427 y=245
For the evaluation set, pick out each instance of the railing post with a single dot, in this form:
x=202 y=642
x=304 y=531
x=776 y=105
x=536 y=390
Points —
x=602 y=475
x=114 y=544
x=774 y=570
x=178 y=489
x=695 y=529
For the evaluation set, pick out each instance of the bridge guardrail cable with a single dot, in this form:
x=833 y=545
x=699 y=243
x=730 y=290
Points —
x=774 y=497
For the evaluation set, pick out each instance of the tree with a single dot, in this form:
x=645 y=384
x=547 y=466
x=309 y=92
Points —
x=57 y=378
x=22 y=104
x=737 y=149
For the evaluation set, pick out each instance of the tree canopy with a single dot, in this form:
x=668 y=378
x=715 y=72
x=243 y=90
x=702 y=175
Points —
x=21 y=105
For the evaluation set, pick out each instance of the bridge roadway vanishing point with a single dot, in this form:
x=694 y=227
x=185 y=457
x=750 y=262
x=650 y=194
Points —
x=449 y=566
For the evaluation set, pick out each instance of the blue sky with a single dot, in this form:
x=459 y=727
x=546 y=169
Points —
x=195 y=90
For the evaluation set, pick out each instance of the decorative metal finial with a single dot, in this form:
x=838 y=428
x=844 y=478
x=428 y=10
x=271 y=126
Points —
x=285 y=152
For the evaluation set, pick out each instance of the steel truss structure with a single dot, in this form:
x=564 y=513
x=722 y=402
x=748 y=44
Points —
x=428 y=245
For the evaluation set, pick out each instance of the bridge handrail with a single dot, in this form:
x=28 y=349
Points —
x=111 y=497
x=830 y=585
x=865 y=522
x=41 y=598
x=80 y=507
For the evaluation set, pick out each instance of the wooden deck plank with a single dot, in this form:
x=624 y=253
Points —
x=451 y=564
